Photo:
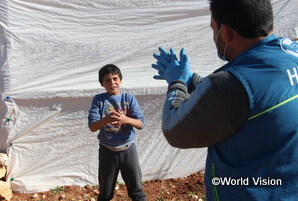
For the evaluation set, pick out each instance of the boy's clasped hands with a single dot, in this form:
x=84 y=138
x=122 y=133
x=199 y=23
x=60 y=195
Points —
x=117 y=118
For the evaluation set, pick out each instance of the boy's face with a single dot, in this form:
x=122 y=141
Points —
x=111 y=82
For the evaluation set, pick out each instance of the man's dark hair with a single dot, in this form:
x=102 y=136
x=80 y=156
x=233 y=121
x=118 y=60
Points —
x=249 y=18
x=107 y=69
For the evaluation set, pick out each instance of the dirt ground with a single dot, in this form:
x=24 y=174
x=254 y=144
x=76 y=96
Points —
x=182 y=189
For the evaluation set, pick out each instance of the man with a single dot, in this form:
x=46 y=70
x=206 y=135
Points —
x=246 y=112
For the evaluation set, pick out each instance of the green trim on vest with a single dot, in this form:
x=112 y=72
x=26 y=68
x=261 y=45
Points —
x=274 y=107
x=215 y=193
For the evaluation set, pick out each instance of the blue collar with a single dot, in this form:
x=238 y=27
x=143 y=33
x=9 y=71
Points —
x=262 y=42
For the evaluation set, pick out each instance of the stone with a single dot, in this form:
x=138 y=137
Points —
x=5 y=191
x=2 y=171
x=3 y=164
x=3 y=159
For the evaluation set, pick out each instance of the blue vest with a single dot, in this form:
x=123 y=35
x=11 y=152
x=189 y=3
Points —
x=260 y=161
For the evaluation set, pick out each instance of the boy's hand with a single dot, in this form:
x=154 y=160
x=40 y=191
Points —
x=112 y=120
x=115 y=118
x=119 y=118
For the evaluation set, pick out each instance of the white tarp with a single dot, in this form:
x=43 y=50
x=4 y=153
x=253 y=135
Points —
x=51 y=51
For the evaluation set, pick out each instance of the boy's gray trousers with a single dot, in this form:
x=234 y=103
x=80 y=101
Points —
x=110 y=163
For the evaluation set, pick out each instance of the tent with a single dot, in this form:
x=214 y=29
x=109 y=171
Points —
x=51 y=51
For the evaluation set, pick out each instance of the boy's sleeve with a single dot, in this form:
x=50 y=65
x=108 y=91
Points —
x=135 y=110
x=94 y=114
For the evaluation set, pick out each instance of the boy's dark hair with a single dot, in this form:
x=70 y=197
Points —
x=109 y=68
x=249 y=18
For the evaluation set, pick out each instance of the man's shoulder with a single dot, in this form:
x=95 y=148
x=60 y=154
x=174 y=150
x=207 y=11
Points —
x=223 y=77
x=226 y=83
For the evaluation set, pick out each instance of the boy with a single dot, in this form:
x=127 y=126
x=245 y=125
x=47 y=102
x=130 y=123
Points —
x=115 y=114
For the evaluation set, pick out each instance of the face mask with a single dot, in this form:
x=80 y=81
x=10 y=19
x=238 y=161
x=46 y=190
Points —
x=222 y=57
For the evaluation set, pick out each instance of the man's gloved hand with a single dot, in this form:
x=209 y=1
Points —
x=170 y=69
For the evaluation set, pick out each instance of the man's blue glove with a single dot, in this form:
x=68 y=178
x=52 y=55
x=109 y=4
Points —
x=170 y=69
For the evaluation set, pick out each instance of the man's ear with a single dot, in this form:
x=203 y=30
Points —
x=227 y=33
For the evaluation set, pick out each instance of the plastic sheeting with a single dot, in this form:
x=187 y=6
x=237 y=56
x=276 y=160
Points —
x=51 y=51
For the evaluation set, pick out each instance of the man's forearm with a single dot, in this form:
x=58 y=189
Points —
x=210 y=114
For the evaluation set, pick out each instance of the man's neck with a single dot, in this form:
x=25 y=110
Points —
x=240 y=44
